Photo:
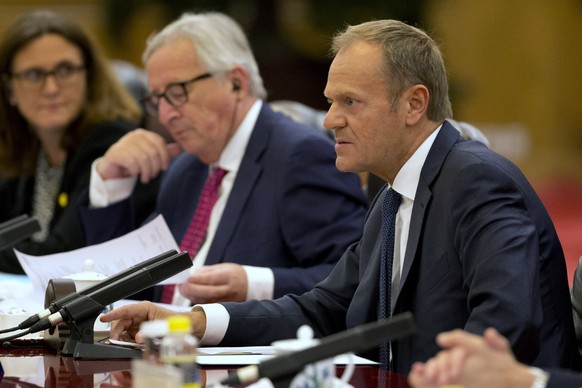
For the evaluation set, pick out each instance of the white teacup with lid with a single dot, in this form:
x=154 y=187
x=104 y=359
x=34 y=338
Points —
x=319 y=374
x=87 y=278
x=153 y=332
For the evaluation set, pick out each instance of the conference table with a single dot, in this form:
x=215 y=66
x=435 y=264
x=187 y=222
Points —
x=30 y=364
x=36 y=362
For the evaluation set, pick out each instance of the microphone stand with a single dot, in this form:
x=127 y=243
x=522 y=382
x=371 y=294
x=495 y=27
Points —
x=76 y=338
x=81 y=345
x=81 y=313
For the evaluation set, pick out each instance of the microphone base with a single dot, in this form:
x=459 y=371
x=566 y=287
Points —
x=99 y=351
x=80 y=332
x=81 y=344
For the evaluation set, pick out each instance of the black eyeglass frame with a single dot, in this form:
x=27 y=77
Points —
x=57 y=72
x=152 y=101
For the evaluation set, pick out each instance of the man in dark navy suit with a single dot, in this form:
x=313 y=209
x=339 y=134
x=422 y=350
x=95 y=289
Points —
x=473 y=245
x=284 y=213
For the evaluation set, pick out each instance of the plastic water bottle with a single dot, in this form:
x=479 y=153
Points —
x=153 y=333
x=178 y=348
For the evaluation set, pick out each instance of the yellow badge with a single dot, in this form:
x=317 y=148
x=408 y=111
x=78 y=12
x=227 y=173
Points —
x=63 y=199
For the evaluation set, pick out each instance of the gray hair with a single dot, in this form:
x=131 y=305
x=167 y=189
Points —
x=219 y=41
x=411 y=58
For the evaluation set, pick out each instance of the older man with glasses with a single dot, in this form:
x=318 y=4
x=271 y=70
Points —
x=253 y=196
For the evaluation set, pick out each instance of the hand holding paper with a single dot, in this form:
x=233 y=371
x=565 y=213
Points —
x=109 y=257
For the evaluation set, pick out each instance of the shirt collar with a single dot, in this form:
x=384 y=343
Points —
x=406 y=181
x=231 y=158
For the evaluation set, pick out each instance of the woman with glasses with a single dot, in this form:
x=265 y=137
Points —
x=61 y=107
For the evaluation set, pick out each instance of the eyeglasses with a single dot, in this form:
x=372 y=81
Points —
x=35 y=77
x=175 y=93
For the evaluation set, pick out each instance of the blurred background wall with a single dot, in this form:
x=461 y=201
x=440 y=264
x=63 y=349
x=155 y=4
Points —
x=515 y=66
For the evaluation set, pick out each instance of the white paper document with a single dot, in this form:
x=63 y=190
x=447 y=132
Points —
x=248 y=355
x=245 y=355
x=109 y=257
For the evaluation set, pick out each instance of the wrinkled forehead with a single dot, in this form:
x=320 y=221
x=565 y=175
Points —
x=175 y=61
x=356 y=66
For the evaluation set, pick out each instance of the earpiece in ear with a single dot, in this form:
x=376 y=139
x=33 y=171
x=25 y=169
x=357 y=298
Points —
x=235 y=87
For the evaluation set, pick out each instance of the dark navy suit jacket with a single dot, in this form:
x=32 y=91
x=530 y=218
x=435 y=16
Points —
x=482 y=251
x=290 y=209
x=564 y=379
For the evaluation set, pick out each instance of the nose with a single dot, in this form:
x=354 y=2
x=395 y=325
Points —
x=166 y=111
x=50 y=84
x=333 y=119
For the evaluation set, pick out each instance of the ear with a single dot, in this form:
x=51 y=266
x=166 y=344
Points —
x=417 y=98
x=238 y=79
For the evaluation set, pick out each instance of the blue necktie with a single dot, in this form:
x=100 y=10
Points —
x=389 y=209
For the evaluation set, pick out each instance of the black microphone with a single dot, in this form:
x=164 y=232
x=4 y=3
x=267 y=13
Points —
x=92 y=303
x=17 y=229
x=357 y=339
x=56 y=305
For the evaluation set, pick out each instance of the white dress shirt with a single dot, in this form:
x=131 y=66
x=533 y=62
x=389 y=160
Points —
x=405 y=183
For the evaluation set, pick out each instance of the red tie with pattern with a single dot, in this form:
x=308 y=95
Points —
x=196 y=231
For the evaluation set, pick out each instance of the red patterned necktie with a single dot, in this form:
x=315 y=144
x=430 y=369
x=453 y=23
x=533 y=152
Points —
x=196 y=231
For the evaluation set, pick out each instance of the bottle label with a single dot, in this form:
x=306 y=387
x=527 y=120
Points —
x=187 y=365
